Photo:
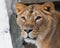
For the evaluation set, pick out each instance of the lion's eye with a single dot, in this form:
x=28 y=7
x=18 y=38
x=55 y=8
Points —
x=23 y=18
x=37 y=18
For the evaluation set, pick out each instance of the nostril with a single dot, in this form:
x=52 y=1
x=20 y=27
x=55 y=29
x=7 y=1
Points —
x=28 y=30
x=25 y=30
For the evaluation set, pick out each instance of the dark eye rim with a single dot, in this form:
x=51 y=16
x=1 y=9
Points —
x=23 y=18
x=37 y=18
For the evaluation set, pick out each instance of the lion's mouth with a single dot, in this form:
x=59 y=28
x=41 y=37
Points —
x=31 y=38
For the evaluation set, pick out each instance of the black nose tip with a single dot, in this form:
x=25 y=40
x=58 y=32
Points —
x=28 y=30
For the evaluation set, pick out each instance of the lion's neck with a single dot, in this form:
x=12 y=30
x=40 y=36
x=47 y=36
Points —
x=47 y=41
x=49 y=38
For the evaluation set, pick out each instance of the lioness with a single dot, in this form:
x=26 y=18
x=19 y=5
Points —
x=39 y=24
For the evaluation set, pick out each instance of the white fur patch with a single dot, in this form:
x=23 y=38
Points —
x=29 y=40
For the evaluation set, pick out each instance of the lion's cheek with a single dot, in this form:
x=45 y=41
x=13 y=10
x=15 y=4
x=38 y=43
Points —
x=33 y=35
x=23 y=34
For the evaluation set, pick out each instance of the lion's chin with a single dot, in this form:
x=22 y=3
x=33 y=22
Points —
x=30 y=40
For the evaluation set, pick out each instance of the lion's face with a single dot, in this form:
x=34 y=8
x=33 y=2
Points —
x=34 y=20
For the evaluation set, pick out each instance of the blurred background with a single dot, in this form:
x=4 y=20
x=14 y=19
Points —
x=14 y=29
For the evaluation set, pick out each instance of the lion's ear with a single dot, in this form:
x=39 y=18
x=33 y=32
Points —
x=48 y=6
x=20 y=7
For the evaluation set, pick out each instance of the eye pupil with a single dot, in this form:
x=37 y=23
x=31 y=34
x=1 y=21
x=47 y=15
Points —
x=38 y=18
x=23 y=18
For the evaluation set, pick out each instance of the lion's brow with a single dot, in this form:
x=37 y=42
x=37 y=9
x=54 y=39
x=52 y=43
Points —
x=32 y=7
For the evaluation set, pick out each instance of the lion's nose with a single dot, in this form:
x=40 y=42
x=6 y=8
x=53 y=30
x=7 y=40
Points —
x=28 y=30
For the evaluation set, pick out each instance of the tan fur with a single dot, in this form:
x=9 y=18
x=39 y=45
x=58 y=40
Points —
x=46 y=29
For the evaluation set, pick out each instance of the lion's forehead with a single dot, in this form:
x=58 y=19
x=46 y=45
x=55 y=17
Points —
x=32 y=8
x=31 y=12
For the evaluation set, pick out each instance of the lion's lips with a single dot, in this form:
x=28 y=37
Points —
x=31 y=38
